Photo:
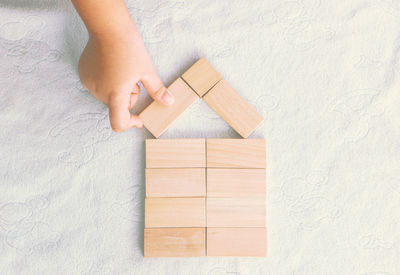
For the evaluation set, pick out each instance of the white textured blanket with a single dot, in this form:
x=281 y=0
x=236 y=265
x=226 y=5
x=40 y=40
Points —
x=324 y=74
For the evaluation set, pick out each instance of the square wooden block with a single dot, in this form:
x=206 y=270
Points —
x=239 y=242
x=174 y=242
x=236 y=153
x=175 y=153
x=201 y=76
x=175 y=212
x=236 y=212
x=157 y=118
x=233 y=108
x=175 y=182
x=233 y=183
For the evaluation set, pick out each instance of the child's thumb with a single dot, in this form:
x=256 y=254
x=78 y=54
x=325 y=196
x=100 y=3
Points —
x=157 y=90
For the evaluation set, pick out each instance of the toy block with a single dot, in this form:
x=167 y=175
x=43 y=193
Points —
x=174 y=242
x=236 y=182
x=157 y=118
x=236 y=153
x=236 y=212
x=240 y=242
x=176 y=182
x=233 y=108
x=175 y=153
x=201 y=77
x=175 y=212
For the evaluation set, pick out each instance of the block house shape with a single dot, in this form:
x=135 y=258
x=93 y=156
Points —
x=205 y=197
x=201 y=80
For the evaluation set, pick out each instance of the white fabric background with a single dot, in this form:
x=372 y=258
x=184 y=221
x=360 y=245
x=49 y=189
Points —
x=325 y=75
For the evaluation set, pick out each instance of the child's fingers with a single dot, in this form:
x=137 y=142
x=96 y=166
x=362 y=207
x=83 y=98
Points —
x=134 y=96
x=120 y=117
x=156 y=89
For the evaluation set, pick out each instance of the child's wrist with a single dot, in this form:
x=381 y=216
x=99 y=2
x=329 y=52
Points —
x=115 y=35
x=115 y=24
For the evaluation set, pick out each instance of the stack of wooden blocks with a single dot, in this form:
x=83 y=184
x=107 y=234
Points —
x=205 y=198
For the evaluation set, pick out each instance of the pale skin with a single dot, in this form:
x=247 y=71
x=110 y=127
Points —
x=115 y=59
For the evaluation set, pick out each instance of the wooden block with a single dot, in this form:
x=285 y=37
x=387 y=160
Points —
x=240 y=242
x=201 y=76
x=236 y=212
x=233 y=108
x=157 y=118
x=174 y=242
x=176 y=182
x=175 y=212
x=225 y=182
x=175 y=153
x=236 y=153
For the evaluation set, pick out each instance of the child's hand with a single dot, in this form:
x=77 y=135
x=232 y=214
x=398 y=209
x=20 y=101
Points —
x=112 y=64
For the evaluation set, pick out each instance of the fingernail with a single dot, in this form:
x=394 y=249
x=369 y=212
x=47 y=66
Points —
x=167 y=97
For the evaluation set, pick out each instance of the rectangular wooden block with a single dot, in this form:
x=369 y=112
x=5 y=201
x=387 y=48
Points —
x=174 y=242
x=236 y=212
x=201 y=76
x=157 y=118
x=226 y=182
x=175 y=212
x=236 y=153
x=175 y=153
x=240 y=242
x=233 y=108
x=176 y=182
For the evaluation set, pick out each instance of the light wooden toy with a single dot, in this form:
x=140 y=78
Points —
x=205 y=197
x=202 y=81
x=157 y=118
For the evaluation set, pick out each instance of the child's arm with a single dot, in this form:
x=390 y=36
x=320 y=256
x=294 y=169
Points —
x=115 y=59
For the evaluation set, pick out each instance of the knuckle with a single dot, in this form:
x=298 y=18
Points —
x=118 y=126
x=117 y=130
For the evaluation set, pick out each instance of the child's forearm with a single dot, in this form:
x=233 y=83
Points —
x=105 y=16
